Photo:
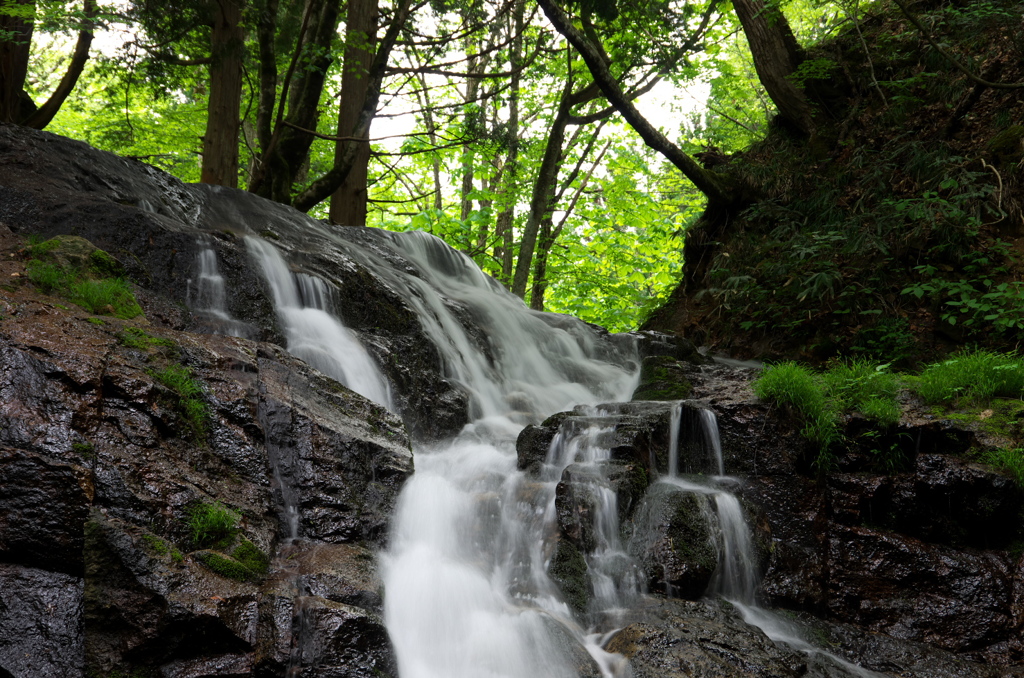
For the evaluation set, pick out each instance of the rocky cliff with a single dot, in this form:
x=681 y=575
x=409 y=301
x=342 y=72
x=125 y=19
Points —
x=176 y=501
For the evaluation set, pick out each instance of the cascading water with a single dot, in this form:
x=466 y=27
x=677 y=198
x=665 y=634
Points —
x=468 y=593
x=312 y=330
x=735 y=580
x=207 y=296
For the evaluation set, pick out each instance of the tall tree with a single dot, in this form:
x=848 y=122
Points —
x=220 y=142
x=17 y=23
x=348 y=203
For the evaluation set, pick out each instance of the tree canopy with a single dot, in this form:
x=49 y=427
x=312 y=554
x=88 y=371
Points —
x=521 y=132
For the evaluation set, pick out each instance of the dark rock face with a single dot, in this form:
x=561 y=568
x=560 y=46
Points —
x=99 y=476
x=156 y=227
x=918 y=555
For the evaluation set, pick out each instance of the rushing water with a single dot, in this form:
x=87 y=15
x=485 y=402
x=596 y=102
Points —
x=468 y=594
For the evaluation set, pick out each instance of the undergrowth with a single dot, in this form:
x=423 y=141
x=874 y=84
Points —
x=1009 y=461
x=212 y=525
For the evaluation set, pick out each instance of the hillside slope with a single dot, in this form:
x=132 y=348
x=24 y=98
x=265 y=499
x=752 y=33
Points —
x=895 y=232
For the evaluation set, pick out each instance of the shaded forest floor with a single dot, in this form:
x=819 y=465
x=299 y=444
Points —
x=896 y=233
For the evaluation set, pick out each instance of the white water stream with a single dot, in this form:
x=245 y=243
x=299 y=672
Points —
x=468 y=594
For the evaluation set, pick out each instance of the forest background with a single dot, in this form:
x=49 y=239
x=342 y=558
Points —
x=843 y=173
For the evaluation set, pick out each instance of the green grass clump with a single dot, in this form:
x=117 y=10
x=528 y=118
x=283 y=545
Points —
x=212 y=525
x=251 y=557
x=972 y=377
x=189 y=401
x=819 y=399
x=796 y=386
x=109 y=296
x=95 y=286
x=85 y=450
x=1009 y=461
x=865 y=387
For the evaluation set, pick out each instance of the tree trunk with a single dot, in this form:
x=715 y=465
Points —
x=540 y=267
x=712 y=185
x=220 y=142
x=289 y=143
x=15 y=104
x=348 y=203
x=15 y=41
x=322 y=187
x=543 y=195
x=503 y=223
x=776 y=56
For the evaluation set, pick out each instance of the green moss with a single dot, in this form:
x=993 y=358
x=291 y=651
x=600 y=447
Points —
x=223 y=565
x=246 y=563
x=72 y=268
x=568 y=569
x=156 y=544
x=84 y=450
x=662 y=378
x=96 y=321
x=136 y=337
x=105 y=265
x=251 y=557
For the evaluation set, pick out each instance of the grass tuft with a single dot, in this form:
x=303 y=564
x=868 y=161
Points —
x=1009 y=461
x=212 y=525
x=189 y=401
x=972 y=377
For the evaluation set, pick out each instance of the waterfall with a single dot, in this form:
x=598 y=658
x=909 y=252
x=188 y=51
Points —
x=312 y=330
x=735 y=579
x=207 y=296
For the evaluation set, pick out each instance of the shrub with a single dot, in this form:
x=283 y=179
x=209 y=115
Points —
x=973 y=376
x=212 y=524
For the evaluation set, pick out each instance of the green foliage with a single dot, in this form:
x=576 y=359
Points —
x=972 y=376
x=864 y=387
x=212 y=525
x=819 y=399
x=84 y=450
x=189 y=398
x=1009 y=461
x=110 y=296
x=794 y=385
x=47 y=277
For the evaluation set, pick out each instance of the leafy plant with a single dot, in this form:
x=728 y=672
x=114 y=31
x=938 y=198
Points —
x=972 y=376
x=189 y=401
x=212 y=524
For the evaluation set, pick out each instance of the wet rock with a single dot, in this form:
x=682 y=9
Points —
x=40 y=623
x=673 y=638
x=662 y=378
x=568 y=569
x=673 y=538
x=43 y=509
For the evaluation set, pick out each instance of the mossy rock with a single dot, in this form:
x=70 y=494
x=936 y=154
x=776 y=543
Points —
x=245 y=562
x=568 y=569
x=662 y=378
x=77 y=254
